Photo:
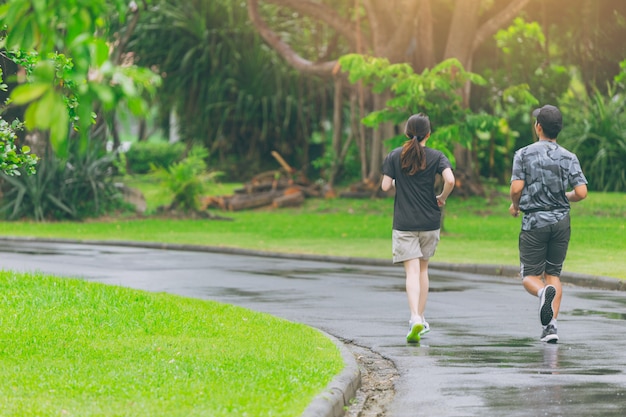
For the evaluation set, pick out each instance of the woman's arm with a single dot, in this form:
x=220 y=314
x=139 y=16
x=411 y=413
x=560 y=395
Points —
x=387 y=183
x=448 y=186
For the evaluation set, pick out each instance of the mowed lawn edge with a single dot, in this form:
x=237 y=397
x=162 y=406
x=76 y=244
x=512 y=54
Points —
x=476 y=231
x=72 y=347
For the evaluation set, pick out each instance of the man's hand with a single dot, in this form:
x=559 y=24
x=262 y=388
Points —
x=514 y=210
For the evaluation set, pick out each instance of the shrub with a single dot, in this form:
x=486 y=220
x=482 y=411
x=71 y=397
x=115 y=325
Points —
x=186 y=179
x=143 y=155
x=74 y=188
x=596 y=132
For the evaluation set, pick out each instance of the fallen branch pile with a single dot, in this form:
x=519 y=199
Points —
x=366 y=189
x=277 y=188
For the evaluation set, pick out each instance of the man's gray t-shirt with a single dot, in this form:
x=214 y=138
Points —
x=548 y=170
x=415 y=205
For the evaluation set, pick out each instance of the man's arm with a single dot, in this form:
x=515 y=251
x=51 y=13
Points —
x=577 y=194
x=516 y=193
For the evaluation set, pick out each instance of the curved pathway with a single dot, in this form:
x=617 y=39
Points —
x=482 y=357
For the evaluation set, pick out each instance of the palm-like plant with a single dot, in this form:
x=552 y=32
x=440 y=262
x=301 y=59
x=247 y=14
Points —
x=231 y=93
x=598 y=137
x=186 y=180
x=74 y=188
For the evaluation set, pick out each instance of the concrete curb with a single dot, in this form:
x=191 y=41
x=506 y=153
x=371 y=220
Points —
x=337 y=395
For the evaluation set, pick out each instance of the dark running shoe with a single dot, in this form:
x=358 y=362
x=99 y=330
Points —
x=546 y=312
x=549 y=334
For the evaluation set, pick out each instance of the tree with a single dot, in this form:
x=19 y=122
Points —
x=63 y=46
x=401 y=31
x=69 y=77
x=13 y=158
x=587 y=34
x=228 y=90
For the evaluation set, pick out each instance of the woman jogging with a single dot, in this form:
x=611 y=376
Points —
x=412 y=170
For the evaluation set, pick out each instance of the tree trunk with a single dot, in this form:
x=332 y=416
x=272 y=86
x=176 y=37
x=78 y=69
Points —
x=337 y=130
x=459 y=43
x=425 y=52
x=464 y=38
x=401 y=31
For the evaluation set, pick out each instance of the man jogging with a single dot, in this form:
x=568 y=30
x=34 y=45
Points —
x=545 y=179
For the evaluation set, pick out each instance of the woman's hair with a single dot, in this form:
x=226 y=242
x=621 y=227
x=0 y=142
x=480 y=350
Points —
x=413 y=157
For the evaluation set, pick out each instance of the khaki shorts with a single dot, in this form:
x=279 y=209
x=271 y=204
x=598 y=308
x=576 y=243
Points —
x=413 y=245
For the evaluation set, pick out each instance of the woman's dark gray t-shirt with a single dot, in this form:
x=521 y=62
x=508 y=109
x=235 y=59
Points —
x=415 y=205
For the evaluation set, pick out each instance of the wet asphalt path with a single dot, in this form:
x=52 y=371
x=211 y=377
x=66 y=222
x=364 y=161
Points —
x=482 y=357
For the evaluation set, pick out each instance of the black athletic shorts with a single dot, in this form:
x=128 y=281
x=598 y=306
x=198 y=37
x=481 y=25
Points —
x=544 y=249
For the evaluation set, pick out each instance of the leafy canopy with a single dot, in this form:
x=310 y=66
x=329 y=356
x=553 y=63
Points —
x=63 y=46
x=436 y=92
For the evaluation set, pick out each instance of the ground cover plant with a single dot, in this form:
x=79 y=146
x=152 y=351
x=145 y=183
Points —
x=77 y=348
x=477 y=230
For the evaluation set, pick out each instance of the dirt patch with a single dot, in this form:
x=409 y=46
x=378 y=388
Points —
x=378 y=375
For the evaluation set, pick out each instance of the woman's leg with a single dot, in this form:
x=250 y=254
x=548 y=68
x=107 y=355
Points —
x=413 y=292
x=424 y=286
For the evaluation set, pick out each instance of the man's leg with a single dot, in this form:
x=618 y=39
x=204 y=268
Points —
x=547 y=293
x=555 y=257
x=533 y=248
x=555 y=281
x=532 y=284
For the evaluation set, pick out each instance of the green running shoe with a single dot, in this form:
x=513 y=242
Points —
x=414 y=332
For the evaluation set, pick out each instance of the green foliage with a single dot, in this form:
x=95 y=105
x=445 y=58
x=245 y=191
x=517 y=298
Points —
x=187 y=179
x=74 y=188
x=596 y=132
x=105 y=350
x=231 y=93
x=521 y=77
x=434 y=92
x=13 y=160
x=496 y=136
x=524 y=59
x=68 y=64
x=143 y=155
x=327 y=160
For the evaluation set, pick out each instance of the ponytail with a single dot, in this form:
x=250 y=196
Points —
x=413 y=156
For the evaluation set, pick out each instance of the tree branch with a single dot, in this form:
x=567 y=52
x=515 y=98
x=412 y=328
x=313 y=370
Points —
x=491 y=26
x=120 y=48
x=324 y=14
x=396 y=46
x=291 y=56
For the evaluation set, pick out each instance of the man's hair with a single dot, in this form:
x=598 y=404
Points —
x=550 y=119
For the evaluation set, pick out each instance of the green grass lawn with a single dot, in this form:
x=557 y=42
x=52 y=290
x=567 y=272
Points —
x=476 y=231
x=70 y=347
